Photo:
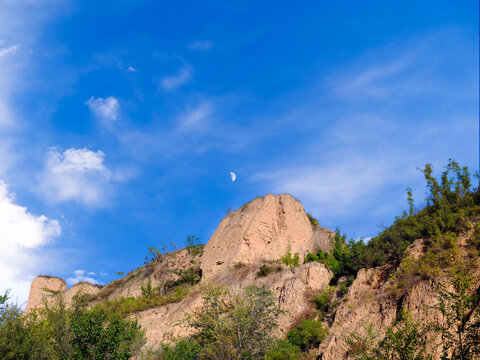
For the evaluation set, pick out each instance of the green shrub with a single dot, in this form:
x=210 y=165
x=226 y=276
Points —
x=238 y=326
x=284 y=350
x=343 y=260
x=307 y=334
x=194 y=247
x=459 y=301
x=153 y=254
x=96 y=336
x=148 y=291
x=313 y=221
x=56 y=332
x=290 y=260
x=344 y=285
x=451 y=203
x=266 y=270
x=190 y=276
x=186 y=349
x=322 y=301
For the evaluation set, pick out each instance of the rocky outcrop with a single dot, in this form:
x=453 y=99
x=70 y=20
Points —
x=374 y=300
x=259 y=231
x=293 y=289
x=81 y=288
x=258 y=235
x=44 y=288
x=323 y=238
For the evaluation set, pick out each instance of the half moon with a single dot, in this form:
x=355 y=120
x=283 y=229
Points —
x=233 y=176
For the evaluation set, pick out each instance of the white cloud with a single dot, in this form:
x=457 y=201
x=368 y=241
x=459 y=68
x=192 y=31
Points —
x=377 y=82
x=106 y=109
x=76 y=175
x=335 y=188
x=172 y=82
x=81 y=276
x=201 y=45
x=195 y=119
x=22 y=236
x=131 y=69
x=7 y=119
x=8 y=50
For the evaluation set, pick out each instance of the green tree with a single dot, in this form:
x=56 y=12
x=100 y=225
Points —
x=95 y=336
x=460 y=308
x=235 y=327
x=21 y=336
x=404 y=340
x=58 y=333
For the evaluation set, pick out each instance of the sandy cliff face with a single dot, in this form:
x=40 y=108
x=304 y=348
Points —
x=257 y=234
x=259 y=231
x=372 y=300
x=44 y=288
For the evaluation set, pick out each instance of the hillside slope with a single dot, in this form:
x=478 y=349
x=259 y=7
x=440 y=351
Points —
x=247 y=249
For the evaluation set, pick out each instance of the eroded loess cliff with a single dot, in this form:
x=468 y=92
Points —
x=245 y=250
x=256 y=235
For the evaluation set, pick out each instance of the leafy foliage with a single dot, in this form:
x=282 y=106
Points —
x=307 y=334
x=323 y=302
x=186 y=349
x=405 y=340
x=289 y=259
x=235 y=327
x=59 y=333
x=153 y=254
x=451 y=202
x=312 y=220
x=194 y=246
x=95 y=336
x=460 y=308
x=344 y=260
x=284 y=350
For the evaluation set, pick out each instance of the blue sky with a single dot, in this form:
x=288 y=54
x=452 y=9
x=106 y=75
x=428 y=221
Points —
x=121 y=120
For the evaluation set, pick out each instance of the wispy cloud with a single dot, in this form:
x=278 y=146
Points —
x=195 y=119
x=377 y=120
x=76 y=175
x=8 y=50
x=81 y=276
x=22 y=237
x=131 y=69
x=177 y=80
x=106 y=109
x=201 y=45
x=373 y=82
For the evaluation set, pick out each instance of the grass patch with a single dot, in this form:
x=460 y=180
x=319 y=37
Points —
x=124 y=306
x=312 y=220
